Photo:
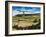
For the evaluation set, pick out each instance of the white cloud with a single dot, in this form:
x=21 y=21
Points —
x=17 y=12
x=37 y=12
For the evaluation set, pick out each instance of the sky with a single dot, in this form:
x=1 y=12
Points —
x=28 y=10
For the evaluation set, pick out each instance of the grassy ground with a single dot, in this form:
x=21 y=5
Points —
x=20 y=22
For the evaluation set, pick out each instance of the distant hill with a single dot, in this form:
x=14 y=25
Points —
x=27 y=14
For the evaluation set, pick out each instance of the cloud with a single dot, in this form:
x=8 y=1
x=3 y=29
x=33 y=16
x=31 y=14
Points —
x=21 y=8
x=27 y=10
x=16 y=12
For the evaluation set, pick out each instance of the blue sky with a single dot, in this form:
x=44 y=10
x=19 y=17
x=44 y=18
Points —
x=17 y=9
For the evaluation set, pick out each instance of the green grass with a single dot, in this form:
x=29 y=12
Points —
x=27 y=19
